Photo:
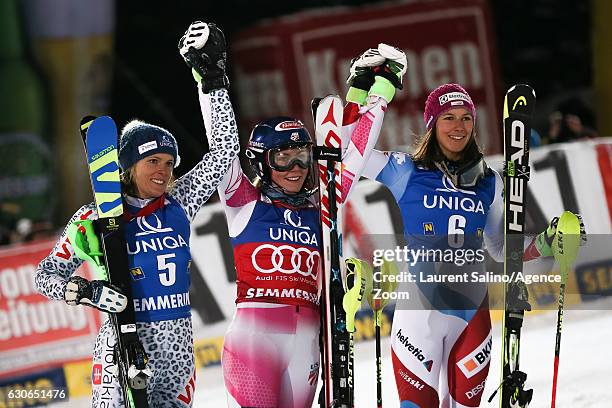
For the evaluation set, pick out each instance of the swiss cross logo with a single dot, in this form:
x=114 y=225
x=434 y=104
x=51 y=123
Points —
x=96 y=374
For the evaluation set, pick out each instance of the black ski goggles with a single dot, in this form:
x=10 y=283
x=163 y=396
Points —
x=467 y=175
x=284 y=158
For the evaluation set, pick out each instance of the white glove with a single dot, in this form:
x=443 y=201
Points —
x=97 y=293
x=362 y=66
x=395 y=62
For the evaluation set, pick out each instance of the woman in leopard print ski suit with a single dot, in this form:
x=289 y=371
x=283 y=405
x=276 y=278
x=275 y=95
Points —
x=159 y=210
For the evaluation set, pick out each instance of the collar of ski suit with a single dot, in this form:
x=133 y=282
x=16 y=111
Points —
x=149 y=208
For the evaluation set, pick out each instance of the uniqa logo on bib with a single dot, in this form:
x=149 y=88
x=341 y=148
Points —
x=302 y=235
x=154 y=244
x=453 y=202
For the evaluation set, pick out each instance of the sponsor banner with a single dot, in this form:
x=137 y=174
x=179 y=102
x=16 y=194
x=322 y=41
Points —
x=79 y=378
x=208 y=351
x=36 y=332
x=34 y=390
x=281 y=65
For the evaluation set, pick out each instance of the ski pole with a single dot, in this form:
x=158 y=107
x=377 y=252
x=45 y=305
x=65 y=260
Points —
x=565 y=250
x=377 y=311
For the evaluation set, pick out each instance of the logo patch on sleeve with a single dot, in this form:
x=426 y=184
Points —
x=428 y=228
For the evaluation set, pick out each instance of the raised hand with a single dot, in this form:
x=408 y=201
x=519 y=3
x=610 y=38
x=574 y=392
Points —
x=203 y=49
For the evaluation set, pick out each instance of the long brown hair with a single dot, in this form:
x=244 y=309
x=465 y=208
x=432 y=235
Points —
x=427 y=150
x=128 y=184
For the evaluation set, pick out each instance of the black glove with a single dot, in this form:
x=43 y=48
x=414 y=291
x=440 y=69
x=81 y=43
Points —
x=203 y=49
x=97 y=293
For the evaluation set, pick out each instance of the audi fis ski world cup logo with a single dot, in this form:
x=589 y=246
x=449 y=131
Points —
x=286 y=259
x=289 y=124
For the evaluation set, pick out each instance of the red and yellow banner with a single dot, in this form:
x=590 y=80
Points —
x=36 y=332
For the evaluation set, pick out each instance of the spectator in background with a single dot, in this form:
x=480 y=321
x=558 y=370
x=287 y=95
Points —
x=572 y=120
x=535 y=139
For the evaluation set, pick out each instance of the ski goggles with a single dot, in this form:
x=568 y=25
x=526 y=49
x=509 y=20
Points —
x=284 y=158
x=467 y=175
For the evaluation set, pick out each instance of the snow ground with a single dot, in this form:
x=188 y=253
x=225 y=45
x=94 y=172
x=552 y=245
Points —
x=585 y=370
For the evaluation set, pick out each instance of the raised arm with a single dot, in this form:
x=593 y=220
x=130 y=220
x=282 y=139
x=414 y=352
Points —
x=194 y=188
x=203 y=49
x=235 y=190
x=374 y=77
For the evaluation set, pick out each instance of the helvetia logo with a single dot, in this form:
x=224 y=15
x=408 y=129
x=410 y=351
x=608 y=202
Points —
x=428 y=364
x=412 y=349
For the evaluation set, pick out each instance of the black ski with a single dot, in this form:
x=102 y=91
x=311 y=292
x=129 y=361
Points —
x=519 y=104
x=101 y=146
x=336 y=349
